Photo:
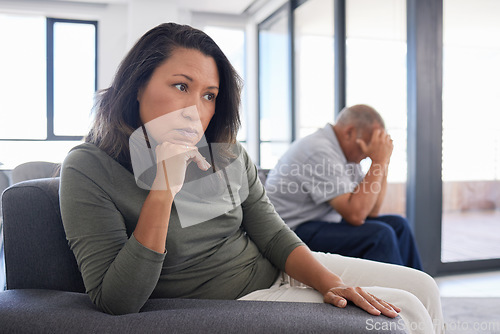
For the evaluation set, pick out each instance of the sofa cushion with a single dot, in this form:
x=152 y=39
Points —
x=45 y=311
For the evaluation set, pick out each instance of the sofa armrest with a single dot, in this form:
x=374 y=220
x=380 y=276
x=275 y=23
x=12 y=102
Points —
x=49 y=311
x=37 y=255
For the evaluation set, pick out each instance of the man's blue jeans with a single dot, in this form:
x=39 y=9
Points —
x=385 y=239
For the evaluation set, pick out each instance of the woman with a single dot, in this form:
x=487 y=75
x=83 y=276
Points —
x=195 y=222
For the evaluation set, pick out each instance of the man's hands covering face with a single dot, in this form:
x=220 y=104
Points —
x=379 y=150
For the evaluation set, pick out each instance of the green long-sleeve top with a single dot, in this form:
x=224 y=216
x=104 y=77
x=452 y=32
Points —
x=225 y=257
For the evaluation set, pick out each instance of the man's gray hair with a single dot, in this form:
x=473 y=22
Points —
x=359 y=115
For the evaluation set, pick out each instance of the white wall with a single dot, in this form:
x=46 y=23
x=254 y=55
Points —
x=112 y=42
x=146 y=14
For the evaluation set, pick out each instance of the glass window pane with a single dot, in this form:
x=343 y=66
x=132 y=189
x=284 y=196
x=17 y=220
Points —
x=471 y=130
x=23 y=78
x=376 y=75
x=274 y=84
x=232 y=43
x=272 y=152
x=314 y=60
x=74 y=77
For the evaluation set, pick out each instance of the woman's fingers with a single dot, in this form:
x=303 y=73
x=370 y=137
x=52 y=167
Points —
x=349 y=293
x=172 y=160
x=362 y=299
x=378 y=303
x=175 y=154
x=194 y=155
x=363 y=303
x=394 y=307
x=386 y=304
x=336 y=300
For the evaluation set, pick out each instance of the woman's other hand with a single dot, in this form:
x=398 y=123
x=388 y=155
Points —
x=304 y=267
x=338 y=296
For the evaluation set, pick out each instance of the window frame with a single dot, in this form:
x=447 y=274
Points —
x=339 y=66
x=286 y=9
x=425 y=113
x=50 y=73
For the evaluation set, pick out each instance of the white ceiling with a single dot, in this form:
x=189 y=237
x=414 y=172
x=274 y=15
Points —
x=218 y=6
x=211 y=6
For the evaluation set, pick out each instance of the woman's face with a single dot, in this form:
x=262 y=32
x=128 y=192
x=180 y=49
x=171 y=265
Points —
x=178 y=102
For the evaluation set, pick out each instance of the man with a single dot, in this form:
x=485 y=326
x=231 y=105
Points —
x=320 y=191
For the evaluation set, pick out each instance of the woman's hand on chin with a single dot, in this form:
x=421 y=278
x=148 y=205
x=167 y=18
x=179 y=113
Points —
x=172 y=161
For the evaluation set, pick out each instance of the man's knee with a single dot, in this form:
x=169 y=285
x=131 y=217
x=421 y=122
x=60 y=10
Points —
x=378 y=227
x=398 y=223
x=399 y=219
x=383 y=234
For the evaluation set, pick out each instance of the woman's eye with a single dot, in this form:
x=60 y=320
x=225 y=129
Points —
x=181 y=87
x=209 y=97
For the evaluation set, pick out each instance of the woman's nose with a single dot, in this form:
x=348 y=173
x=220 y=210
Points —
x=191 y=113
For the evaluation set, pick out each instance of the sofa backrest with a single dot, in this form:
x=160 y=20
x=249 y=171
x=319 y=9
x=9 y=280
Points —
x=35 y=170
x=37 y=255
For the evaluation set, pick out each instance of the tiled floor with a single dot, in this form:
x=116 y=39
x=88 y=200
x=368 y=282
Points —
x=485 y=284
x=471 y=235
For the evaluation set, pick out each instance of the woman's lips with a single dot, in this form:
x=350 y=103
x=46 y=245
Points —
x=190 y=133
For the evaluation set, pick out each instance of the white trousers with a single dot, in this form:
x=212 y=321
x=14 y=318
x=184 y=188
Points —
x=415 y=292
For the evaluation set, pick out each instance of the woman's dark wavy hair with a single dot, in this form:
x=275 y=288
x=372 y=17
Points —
x=117 y=108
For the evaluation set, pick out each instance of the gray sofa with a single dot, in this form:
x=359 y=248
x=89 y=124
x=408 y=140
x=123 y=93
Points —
x=45 y=292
